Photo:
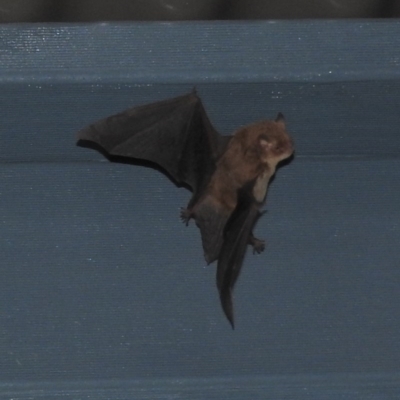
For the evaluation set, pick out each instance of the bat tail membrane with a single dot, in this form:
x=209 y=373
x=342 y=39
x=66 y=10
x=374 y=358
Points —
x=237 y=232
x=210 y=219
x=227 y=306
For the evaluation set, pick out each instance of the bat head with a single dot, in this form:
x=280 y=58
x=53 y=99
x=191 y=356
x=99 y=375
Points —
x=269 y=140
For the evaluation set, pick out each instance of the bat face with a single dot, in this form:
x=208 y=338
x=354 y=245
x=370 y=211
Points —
x=276 y=145
x=268 y=140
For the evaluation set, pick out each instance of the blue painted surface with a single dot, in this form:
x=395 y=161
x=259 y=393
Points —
x=101 y=281
x=189 y=52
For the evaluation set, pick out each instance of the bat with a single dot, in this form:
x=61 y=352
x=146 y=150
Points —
x=228 y=175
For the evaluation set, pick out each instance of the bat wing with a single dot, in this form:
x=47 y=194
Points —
x=236 y=238
x=176 y=134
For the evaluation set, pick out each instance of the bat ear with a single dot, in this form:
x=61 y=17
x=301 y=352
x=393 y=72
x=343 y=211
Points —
x=280 y=119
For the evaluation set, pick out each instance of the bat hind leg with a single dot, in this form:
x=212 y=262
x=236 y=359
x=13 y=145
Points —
x=186 y=215
x=258 y=244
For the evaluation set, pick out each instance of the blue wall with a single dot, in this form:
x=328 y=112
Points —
x=99 y=278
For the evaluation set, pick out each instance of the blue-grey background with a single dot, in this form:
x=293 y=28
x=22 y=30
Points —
x=103 y=286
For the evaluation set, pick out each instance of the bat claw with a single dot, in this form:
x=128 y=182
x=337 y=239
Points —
x=258 y=245
x=186 y=215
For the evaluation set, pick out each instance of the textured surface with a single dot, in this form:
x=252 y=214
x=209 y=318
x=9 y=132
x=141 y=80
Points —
x=100 y=280
x=191 y=53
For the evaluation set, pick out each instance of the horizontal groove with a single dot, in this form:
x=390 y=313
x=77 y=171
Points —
x=199 y=77
x=357 y=384
x=314 y=157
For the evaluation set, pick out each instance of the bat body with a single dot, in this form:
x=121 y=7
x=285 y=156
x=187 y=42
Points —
x=228 y=175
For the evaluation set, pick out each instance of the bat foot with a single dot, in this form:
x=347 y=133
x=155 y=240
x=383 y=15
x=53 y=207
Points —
x=186 y=215
x=258 y=245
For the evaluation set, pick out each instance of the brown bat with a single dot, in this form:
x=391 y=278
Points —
x=228 y=175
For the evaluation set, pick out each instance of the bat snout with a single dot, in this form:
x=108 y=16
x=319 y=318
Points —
x=284 y=147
